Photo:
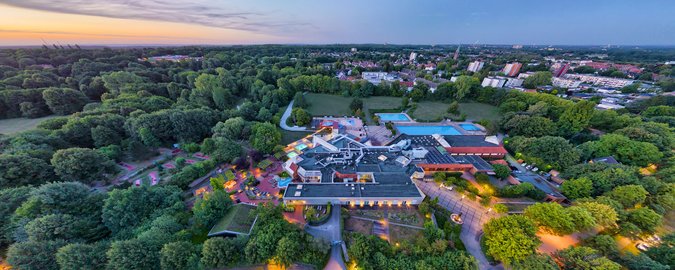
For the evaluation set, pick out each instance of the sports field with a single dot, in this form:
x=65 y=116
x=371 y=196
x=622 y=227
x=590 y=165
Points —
x=428 y=110
x=477 y=111
x=324 y=104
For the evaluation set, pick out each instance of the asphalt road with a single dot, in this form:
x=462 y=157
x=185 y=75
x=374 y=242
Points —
x=330 y=231
x=473 y=214
x=285 y=116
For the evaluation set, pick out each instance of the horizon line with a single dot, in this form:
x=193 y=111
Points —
x=333 y=44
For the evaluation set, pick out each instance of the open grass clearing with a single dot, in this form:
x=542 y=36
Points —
x=325 y=104
x=288 y=137
x=16 y=125
x=398 y=234
x=237 y=219
x=477 y=111
x=430 y=111
x=359 y=225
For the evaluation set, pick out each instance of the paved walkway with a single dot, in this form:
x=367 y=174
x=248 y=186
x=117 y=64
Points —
x=284 y=118
x=331 y=232
x=473 y=215
x=393 y=223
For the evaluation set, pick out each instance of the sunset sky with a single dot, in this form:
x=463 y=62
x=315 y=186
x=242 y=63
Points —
x=29 y=22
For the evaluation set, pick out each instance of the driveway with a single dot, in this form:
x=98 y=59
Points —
x=285 y=116
x=513 y=162
x=473 y=214
x=331 y=231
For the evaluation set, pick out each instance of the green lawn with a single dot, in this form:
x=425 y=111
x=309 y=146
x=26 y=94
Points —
x=237 y=219
x=381 y=102
x=478 y=111
x=16 y=125
x=324 y=104
x=430 y=111
x=291 y=136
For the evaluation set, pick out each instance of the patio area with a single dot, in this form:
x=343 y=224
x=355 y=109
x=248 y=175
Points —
x=255 y=185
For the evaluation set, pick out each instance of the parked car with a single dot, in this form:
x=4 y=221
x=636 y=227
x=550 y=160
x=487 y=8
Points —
x=642 y=246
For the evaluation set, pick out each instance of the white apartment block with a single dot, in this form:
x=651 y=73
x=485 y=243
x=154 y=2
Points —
x=513 y=82
x=565 y=83
x=600 y=80
x=475 y=66
x=377 y=77
x=493 y=82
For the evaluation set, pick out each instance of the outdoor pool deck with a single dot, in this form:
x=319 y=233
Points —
x=394 y=117
x=442 y=128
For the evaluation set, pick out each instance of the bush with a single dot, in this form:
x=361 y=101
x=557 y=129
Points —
x=524 y=189
x=190 y=147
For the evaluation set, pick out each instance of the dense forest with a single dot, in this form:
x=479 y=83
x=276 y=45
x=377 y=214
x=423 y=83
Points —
x=112 y=106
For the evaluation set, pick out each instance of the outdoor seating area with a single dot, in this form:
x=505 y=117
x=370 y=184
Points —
x=253 y=186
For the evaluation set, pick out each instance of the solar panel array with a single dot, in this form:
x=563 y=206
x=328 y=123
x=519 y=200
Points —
x=436 y=157
x=477 y=162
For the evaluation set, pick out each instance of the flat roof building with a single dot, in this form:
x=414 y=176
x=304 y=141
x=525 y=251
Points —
x=336 y=168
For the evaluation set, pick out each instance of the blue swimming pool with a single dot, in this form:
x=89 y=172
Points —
x=469 y=127
x=428 y=130
x=393 y=117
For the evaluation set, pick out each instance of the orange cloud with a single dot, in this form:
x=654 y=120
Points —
x=20 y=26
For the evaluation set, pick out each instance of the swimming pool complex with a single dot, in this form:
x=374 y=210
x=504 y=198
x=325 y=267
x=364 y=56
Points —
x=428 y=130
x=394 y=117
x=469 y=127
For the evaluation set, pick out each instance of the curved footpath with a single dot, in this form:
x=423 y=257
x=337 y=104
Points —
x=284 y=118
x=330 y=231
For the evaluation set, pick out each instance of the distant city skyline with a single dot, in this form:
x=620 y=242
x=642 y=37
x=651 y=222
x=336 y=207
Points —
x=185 y=22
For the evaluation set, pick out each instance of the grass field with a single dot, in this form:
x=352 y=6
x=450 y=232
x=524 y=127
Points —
x=478 y=111
x=237 y=219
x=381 y=102
x=16 y=125
x=291 y=136
x=324 y=104
x=359 y=225
x=398 y=234
x=428 y=110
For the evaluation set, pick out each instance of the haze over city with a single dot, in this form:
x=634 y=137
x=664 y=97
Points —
x=181 y=22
